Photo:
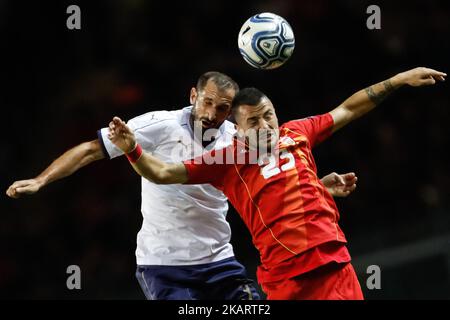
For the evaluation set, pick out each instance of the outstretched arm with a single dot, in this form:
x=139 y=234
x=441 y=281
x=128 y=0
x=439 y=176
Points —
x=143 y=163
x=64 y=166
x=365 y=100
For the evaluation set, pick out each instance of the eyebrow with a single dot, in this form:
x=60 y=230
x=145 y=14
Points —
x=252 y=119
x=256 y=117
x=222 y=101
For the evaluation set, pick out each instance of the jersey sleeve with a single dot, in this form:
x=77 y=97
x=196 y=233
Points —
x=316 y=128
x=209 y=168
x=148 y=130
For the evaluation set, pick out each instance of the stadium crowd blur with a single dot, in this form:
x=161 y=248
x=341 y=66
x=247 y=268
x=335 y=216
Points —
x=130 y=57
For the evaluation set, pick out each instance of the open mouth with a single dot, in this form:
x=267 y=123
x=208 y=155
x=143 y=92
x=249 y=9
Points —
x=265 y=140
x=207 y=124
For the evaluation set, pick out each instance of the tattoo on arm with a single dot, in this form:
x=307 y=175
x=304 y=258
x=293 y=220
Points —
x=377 y=98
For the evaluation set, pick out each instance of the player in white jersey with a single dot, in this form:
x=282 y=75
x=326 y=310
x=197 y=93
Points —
x=182 y=225
x=183 y=248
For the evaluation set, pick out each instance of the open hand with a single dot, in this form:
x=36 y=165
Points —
x=420 y=77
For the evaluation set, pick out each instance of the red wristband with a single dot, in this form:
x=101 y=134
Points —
x=134 y=155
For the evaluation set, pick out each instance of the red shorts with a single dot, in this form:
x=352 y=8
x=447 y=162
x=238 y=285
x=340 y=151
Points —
x=334 y=281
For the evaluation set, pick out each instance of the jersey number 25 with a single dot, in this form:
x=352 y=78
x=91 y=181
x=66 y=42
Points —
x=271 y=169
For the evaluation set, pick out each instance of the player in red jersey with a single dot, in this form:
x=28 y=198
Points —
x=291 y=216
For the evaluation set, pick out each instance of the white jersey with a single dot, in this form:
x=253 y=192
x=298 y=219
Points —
x=182 y=224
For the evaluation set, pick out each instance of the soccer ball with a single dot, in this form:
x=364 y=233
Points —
x=266 y=41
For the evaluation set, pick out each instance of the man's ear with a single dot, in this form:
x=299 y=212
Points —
x=193 y=96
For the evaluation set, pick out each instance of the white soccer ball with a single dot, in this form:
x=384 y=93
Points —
x=266 y=41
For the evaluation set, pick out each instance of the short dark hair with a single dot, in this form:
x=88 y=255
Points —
x=248 y=96
x=221 y=80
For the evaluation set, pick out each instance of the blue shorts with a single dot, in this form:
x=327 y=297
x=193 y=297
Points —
x=221 y=280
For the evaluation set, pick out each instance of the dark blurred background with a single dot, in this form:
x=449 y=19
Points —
x=58 y=86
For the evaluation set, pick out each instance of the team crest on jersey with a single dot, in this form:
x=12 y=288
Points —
x=286 y=141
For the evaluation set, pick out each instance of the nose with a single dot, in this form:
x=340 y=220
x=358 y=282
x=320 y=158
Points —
x=211 y=114
x=263 y=124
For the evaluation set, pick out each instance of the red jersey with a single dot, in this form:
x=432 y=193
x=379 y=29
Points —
x=282 y=201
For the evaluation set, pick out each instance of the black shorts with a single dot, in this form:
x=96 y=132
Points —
x=221 y=280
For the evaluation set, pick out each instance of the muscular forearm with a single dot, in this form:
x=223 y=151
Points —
x=71 y=161
x=364 y=101
x=64 y=166
x=158 y=171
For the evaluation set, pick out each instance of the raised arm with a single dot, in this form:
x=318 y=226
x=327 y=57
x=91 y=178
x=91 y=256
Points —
x=365 y=100
x=64 y=166
x=143 y=163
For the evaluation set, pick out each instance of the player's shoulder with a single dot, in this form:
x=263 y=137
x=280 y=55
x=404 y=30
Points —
x=304 y=122
x=295 y=123
x=162 y=117
x=229 y=128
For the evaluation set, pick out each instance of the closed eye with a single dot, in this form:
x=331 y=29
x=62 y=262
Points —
x=268 y=115
x=223 y=108
x=252 y=121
